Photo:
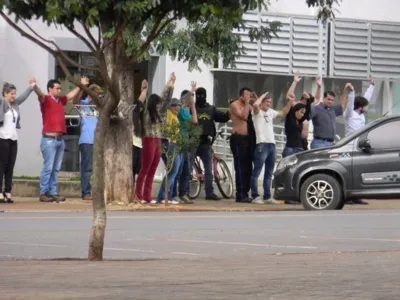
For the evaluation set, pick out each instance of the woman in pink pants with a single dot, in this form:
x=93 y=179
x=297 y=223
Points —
x=151 y=140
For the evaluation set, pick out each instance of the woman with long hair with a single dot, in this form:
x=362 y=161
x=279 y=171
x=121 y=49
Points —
x=9 y=123
x=150 y=132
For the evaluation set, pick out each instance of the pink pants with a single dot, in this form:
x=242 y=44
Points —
x=151 y=154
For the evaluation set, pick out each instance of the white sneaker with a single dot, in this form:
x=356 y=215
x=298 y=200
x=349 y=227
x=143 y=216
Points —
x=8 y=195
x=172 y=202
x=154 y=202
x=143 y=202
x=1 y=197
x=257 y=201
x=271 y=201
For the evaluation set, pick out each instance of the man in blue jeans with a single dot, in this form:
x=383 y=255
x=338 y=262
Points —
x=88 y=123
x=264 y=155
x=323 y=116
x=52 y=143
x=207 y=116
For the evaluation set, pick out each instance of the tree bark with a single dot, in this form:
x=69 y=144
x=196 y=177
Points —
x=119 y=139
x=96 y=242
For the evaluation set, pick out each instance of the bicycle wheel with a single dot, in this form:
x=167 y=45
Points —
x=223 y=178
x=195 y=183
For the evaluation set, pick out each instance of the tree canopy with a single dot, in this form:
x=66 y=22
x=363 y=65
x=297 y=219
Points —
x=146 y=26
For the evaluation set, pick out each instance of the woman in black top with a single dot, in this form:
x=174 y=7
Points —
x=293 y=129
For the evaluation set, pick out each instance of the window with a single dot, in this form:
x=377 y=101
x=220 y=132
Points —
x=385 y=137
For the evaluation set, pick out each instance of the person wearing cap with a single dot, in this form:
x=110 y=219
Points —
x=207 y=116
x=182 y=180
x=175 y=115
x=88 y=122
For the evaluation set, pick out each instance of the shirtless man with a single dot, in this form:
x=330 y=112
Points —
x=240 y=143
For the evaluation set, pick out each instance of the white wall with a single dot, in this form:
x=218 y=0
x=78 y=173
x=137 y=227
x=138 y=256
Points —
x=20 y=60
x=184 y=77
x=383 y=10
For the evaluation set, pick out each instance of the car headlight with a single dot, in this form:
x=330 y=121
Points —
x=287 y=162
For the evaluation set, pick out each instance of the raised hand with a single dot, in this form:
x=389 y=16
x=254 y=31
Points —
x=297 y=78
x=32 y=82
x=319 y=81
x=372 y=81
x=145 y=85
x=84 y=80
x=193 y=85
x=348 y=87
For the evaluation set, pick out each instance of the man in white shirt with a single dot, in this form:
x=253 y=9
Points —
x=354 y=115
x=264 y=155
x=356 y=107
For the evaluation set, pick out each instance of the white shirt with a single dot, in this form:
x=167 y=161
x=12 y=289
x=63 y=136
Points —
x=354 y=120
x=264 y=125
x=9 y=128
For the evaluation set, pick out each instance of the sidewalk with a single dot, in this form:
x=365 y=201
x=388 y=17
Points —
x=29 y=204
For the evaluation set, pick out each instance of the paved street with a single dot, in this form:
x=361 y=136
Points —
x=260 y=255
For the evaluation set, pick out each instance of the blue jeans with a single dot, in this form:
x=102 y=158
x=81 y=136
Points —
x=53 y=153
x=291 y=150
x=86 y=151
x=176 y=165
x=264 y=155
x=205 y=154
x=317 y=143
x=182 y=179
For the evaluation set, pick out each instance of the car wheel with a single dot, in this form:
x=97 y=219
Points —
x=321 y=192
x=341 y=205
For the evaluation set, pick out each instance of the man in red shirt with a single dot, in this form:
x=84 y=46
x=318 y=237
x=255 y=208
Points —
x=52 y=144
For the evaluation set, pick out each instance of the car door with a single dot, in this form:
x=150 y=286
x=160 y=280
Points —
x=378 y=170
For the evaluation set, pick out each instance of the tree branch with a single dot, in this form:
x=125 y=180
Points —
x=90 y=35
x=155 y=32
x=99 y=34
x=83 y=39
x=59 y=50
x=116 y=35
x=71 y=79
x=25 y=34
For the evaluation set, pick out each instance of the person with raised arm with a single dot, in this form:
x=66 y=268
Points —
x=264 y=154
x=9 y=123
x=52 y=143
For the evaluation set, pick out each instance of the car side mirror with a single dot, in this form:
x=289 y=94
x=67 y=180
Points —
x=364 y=145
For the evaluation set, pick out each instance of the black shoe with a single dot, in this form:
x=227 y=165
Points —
x=360 y=202
x=213 y=197
x=244 y=200
x=8 y=197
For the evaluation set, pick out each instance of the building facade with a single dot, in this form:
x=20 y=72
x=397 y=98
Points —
x=362 y=42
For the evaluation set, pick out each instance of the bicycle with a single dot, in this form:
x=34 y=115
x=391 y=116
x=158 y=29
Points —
x=221 y=175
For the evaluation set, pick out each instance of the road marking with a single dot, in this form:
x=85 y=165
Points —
x=36 y=245
x=354 y=238
x=242 y=244
x=227 y=215
x=185 y=253
x=129 y=250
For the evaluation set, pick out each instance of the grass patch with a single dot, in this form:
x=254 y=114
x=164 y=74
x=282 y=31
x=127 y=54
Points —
x=75 y=179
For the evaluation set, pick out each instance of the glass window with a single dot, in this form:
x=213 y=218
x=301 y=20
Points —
x=385 y=136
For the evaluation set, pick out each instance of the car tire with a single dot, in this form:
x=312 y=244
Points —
x=341 y=205
x=328 y=193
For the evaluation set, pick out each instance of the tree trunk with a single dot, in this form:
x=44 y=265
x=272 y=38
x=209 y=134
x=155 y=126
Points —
x=118 y=145
x=96 y=242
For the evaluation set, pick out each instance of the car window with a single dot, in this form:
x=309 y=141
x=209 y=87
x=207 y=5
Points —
x=385 y=136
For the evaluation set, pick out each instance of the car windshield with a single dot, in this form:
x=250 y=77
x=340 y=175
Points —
x=356 y=133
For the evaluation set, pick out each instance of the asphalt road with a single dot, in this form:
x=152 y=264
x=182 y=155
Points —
x=270 y=255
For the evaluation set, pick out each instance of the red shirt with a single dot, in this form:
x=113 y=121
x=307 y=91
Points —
x=53 y=114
